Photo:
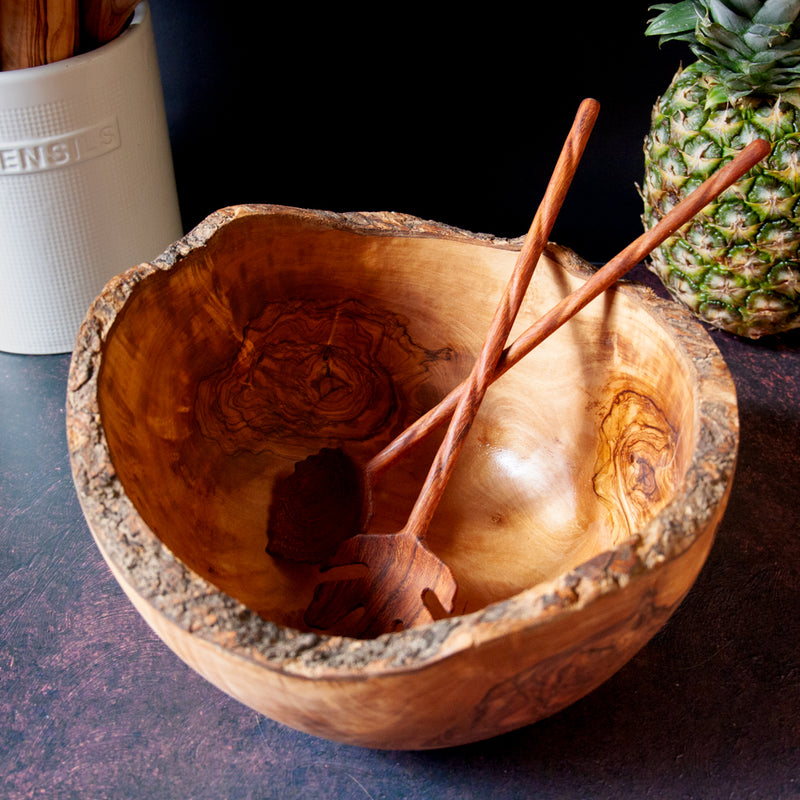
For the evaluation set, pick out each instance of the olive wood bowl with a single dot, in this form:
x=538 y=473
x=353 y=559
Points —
x=584 y=504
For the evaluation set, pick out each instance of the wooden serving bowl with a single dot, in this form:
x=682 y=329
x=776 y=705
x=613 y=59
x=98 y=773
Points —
x=584 y=504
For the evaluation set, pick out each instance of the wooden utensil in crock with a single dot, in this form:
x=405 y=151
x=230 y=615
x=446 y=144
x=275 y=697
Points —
x=103 y=20
x=583 y=506
x=35 y=33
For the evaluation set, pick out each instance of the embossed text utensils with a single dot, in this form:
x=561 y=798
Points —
x=87 y=185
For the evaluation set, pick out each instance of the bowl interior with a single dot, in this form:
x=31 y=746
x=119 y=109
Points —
x=282 y=335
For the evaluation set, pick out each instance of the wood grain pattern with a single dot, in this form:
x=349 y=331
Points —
x=294 y=495
x=555 y=591
x=405 y=580
x=568 y=306
x=36 y=32
x=96 y=705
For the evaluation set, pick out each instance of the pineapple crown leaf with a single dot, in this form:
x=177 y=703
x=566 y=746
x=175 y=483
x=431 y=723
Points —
x=751 y=46
x=676 y=21
x=775 y=12
x=727 y=19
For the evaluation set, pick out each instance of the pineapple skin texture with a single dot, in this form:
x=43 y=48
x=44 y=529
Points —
x=735 y=266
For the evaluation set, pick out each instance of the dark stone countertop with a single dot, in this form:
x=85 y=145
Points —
x=93 y=705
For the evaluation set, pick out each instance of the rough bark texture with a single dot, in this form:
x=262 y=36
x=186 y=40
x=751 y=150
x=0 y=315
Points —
x=508 y=659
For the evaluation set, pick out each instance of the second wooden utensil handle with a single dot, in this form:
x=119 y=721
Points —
x=604 y=278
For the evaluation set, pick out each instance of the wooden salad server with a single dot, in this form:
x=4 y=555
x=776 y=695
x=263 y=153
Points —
x=328 y=496
x=400 y=570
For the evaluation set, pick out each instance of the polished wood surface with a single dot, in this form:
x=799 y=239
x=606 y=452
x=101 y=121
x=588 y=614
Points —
x=179 y=421
x=405 y=580
x=392 y=593
x=37 y=32
x=94 y=705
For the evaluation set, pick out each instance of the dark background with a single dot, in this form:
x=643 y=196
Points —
x=456 y=116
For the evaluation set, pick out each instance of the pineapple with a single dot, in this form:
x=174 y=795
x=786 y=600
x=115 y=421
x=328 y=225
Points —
x=736 y=265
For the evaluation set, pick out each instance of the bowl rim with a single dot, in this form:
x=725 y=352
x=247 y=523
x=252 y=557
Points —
x=187 y=600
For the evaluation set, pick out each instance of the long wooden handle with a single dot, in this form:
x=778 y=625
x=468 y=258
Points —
x=563 y=311
x=483 y=371
x=36 y=32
